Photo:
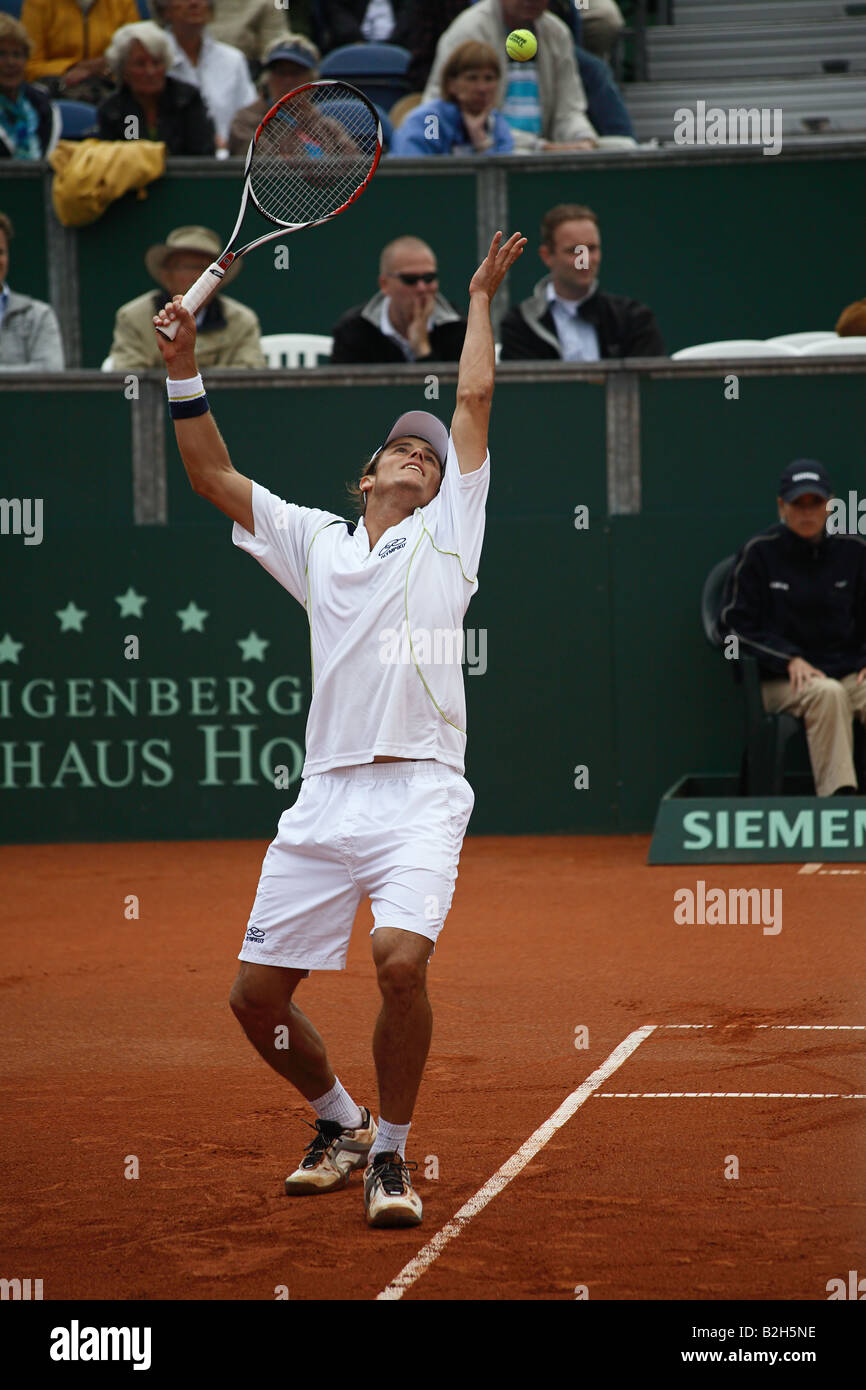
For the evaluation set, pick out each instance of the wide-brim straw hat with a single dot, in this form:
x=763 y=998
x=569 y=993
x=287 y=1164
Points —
x=199 y=239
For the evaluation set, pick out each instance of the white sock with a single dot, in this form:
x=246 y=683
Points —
x=390 y=1138
x=338 y=1105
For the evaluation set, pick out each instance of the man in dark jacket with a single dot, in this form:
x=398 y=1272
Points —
x=796 y=600
x=408 y=320
x=567 y=315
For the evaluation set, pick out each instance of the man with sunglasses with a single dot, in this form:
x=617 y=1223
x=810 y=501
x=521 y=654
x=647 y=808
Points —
x=408 y=320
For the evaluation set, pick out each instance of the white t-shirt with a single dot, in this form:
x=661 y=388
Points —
x=386 y=625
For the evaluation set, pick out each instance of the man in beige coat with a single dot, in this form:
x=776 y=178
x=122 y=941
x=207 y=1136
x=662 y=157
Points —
x=229 y=334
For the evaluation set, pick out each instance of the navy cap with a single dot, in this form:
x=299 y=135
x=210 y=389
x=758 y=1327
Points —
x=291 y=53
x=802 y=476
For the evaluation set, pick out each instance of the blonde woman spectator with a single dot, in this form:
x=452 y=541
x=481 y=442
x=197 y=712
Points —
x=219 y=71
x=29 y=124
x=29 y=331
x=69 y=43
x=464 y=120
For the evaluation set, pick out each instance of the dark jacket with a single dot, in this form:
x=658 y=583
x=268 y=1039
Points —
x=183 y=123
x=786 y=597
x=48 y=129
x=625 y=328
x=358 y=338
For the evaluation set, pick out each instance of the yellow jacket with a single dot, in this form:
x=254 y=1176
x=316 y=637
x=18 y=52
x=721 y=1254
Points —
x=62 y=35
x=90 y=174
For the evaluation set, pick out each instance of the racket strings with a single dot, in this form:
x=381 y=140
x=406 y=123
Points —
x=313 y=153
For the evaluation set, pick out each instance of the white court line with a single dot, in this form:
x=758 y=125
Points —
x=510 y=1169
x=728 y=1095
x=809 y=869
x=795 y=1027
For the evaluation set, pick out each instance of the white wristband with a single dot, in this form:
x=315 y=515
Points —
x=188 y=390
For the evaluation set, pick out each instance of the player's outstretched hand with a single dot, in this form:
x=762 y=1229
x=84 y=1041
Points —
x=498 y=261
x=183 y=345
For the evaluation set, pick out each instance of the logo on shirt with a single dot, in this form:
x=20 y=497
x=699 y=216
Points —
x=840 y=584
x=391 y=546
x=255 y=934
x=779 y=584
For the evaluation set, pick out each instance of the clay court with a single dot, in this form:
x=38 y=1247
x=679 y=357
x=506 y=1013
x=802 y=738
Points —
x=120 y=1043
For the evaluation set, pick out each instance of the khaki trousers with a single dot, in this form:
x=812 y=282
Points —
x=828 y=708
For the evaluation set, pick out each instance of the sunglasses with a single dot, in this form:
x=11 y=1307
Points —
x=428 y=277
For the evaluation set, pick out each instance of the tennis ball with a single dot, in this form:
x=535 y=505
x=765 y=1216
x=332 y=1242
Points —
x=521 y=44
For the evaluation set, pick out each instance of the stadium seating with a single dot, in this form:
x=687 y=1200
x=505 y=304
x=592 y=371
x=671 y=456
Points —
x=295 y=349
x=78 y=119
x=376 y=69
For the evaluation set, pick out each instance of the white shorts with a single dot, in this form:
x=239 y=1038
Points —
x=392 y=831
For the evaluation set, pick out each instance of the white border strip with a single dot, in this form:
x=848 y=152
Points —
x=790 y=1027
x=729 y=1095
x=514 y=1165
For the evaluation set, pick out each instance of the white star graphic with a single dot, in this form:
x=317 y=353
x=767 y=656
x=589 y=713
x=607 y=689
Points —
x=253 y=646
x=71 y=618
x=131 y=603
x=9 y=649
x=192 y=617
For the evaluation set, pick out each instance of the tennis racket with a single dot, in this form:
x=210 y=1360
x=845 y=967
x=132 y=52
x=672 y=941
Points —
x=313 y=155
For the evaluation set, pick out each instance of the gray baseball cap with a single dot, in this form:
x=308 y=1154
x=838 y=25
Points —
x=421 y=425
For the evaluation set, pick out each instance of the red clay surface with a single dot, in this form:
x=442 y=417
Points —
x=119 y=1041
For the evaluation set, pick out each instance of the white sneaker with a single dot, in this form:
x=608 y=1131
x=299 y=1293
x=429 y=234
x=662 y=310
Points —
x=332 y=1157
x=389 y=1197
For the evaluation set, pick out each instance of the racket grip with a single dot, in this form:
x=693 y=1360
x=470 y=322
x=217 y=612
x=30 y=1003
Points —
x=196 y=296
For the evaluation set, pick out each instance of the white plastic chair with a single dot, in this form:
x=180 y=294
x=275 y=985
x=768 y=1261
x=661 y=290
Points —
x=295 y=349
x=836 y=347
x=801 y=340
x=108 y=365
x=497 y=348
x=736 y=347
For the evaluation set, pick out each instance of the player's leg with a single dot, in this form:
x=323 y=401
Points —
x=261 y=1000
x=823 y=706
x=401 y=1040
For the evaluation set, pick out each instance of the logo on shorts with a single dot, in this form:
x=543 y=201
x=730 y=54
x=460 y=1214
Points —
x=392 y=546
x=255 y=934
x=779 y=584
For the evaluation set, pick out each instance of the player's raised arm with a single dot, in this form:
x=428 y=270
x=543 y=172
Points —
x=202 y=448
x=477 y=366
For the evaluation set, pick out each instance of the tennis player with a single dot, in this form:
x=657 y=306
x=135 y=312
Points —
x=383 y=805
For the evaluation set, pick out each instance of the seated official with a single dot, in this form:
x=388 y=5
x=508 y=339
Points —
x=796 y=600
x=365 y=21
x=29 y=123
x=29 y=332
x=229 y=334
x=289 y=62
x=408 y=320
x=150 y=105
x=465 y=119
x=567 y=315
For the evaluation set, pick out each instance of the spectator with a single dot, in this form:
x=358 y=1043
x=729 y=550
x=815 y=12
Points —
x=69 y=43
x=250 y=25
x=464 y=121
x=288 y=63
x=852 y=321
x=218 y=70
x=161 y=107
x=29 y=331
x=543 y=100
x=567 y=315
x=29 y=124
x=601 y=24
x=605 y=107
x=796 y=599
x=366 y=21
x=408 y=320
x=228 y=332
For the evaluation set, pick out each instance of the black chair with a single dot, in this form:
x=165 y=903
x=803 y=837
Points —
x=766 y=736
